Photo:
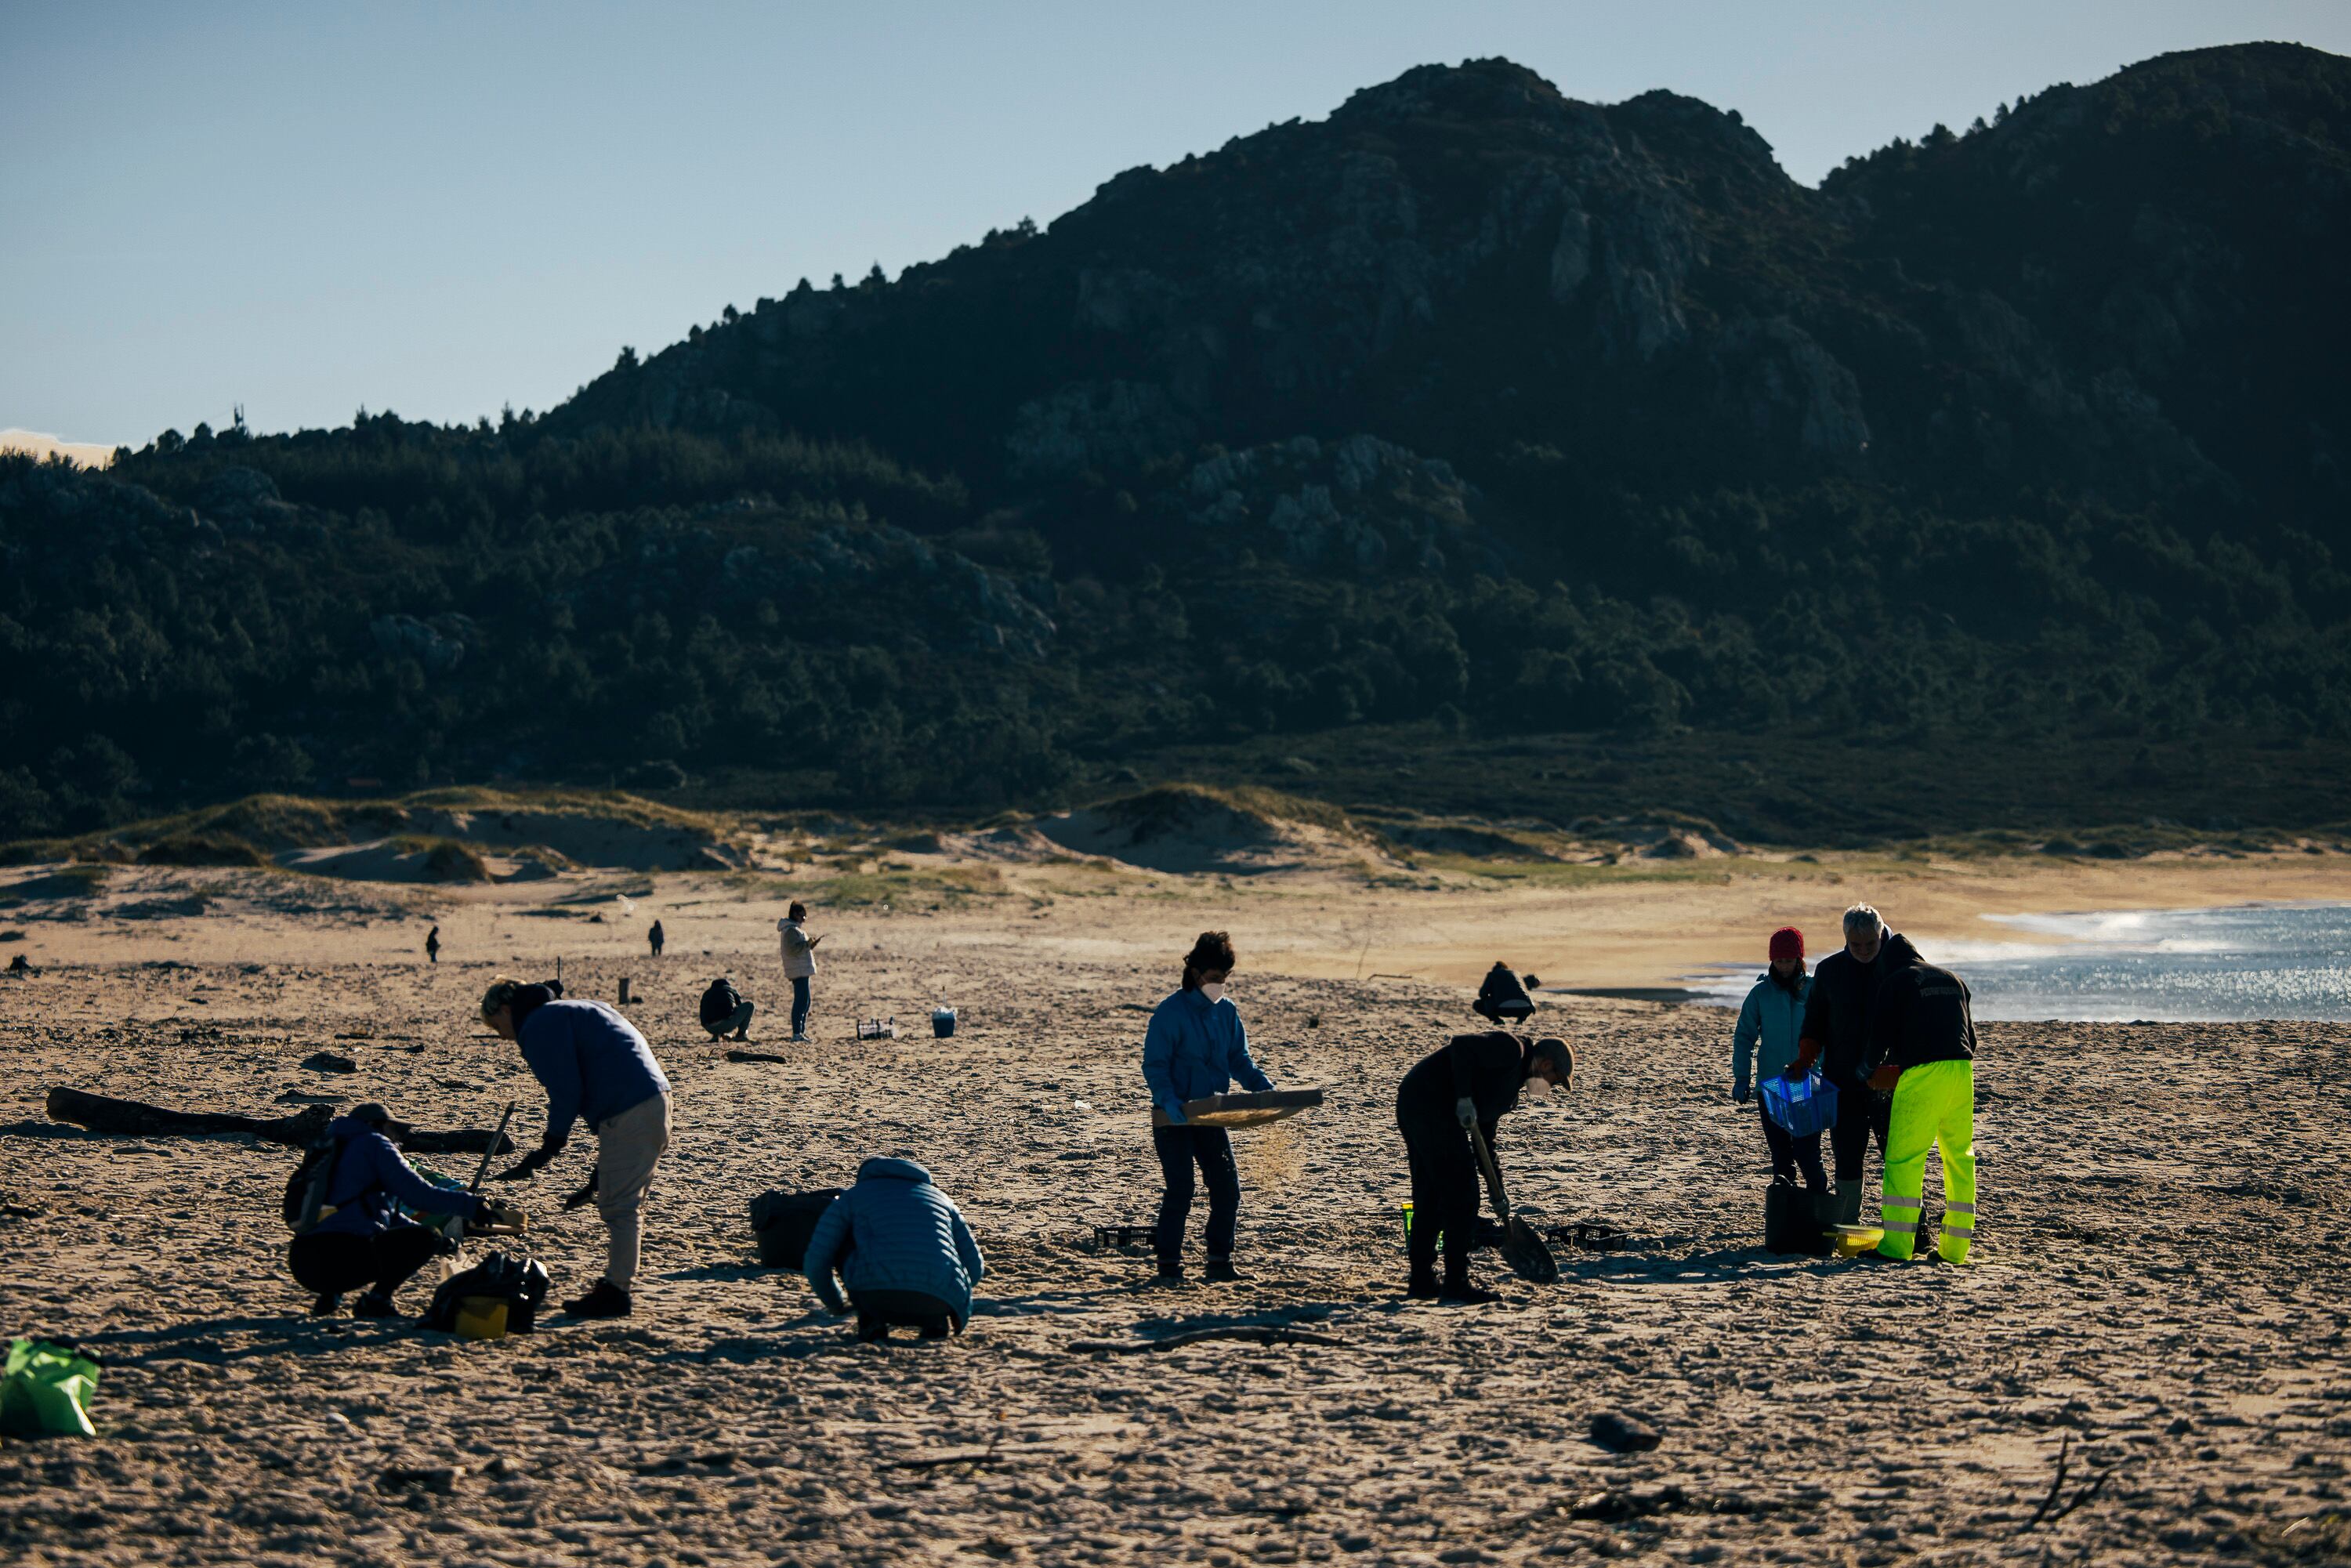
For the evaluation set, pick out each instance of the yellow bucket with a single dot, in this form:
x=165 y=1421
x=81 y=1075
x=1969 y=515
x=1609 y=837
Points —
x=1853 y=1241
x=482 y=1317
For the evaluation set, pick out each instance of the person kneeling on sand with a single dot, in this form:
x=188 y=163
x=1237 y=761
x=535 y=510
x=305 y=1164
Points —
x=1466 y=1085
x=1925 y=1030
x=595 y=1067
x=360 y=1237
x=723 y=1008
x=901 y=1247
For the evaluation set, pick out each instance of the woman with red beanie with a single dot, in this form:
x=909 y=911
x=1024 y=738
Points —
x=1765 y=1042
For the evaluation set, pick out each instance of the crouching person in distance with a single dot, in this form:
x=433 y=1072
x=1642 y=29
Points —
x=901 y=1247
x=596 y=1068
x=1471 y=1082
x=357 y=1236
x=724 y=1009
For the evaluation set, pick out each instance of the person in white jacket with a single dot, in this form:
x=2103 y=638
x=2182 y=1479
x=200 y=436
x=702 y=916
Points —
x=1770 y=1023
x=800 y=965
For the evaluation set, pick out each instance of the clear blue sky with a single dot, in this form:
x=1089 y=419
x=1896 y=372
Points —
x=439 y=208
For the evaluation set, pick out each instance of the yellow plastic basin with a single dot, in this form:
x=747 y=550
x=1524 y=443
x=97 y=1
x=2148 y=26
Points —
x=482 y=1317
x=1853 y=1241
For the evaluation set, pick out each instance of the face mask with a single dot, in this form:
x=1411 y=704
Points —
x=1538 y=1089
x=1214 y=990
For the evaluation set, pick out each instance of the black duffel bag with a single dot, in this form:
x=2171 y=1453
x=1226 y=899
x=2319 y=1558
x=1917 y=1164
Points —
x=783 y=1221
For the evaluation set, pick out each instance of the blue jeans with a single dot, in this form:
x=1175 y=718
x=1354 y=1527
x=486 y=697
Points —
x=1212 y=1148
x=799 y=1004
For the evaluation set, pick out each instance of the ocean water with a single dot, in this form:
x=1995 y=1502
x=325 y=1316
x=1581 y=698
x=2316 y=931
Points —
x=2190 y=966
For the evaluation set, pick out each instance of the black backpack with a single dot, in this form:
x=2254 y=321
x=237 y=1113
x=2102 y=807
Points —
x=1788 y=1223
x=305 y=1190
x=520 y=1283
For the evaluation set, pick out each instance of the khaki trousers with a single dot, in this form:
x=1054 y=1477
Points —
x=627 y=1147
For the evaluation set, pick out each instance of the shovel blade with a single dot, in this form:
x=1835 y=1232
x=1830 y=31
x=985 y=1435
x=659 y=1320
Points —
x=1529 y=1255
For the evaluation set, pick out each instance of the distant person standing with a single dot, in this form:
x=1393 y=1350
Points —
x=654 y=938
x=1195 y=1047
x=800 y=965
x=596 y=1068
x=1766 y=1043
x=1836 y=1035
x=432 y=945
x=1926 y=1028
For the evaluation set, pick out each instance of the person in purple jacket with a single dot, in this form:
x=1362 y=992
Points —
x=596 y=1068
x=1195 y=1047
x=361 y=1238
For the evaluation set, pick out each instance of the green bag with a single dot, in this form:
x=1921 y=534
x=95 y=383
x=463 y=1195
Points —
x=45 y=1391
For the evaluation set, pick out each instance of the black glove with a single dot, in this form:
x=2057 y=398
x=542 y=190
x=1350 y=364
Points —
x=530 y=1164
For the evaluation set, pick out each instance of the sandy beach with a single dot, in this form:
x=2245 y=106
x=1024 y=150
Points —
x=2149 y=1298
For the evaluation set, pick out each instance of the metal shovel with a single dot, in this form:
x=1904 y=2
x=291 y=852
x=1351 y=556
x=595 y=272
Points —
x=1523 y=1247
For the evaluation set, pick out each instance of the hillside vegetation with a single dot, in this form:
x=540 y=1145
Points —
x=1470 y=413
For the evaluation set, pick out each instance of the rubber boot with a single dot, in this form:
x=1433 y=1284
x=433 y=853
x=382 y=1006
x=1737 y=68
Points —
x=1221 y=1271
x=374 y=1304
x=1422 y=1285
x=1848 y=1197
x=326 y=1305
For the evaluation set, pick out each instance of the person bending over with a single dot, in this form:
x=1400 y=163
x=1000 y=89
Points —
x=1836 y=1035
x=596 y=1068
x=901 y=1247
x=1197 y=1046
x=724 y=1009
x=358 y=1236
x=1924 y=1029
x=1469 y=1083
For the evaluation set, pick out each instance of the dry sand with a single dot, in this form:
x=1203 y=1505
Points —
x=2154 y=1291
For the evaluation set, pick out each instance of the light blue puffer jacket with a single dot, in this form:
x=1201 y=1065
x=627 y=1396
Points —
x=1773 y=1021
x=895 y=1231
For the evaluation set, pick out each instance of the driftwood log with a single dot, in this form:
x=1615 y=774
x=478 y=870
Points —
x=131 y=1118
x=1252 y=1333
x=755 y=1056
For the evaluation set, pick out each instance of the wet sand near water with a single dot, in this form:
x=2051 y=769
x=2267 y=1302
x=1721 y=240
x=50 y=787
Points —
x=2150 y=1294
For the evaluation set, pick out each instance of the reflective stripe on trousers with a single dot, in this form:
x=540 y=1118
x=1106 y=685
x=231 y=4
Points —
x=1934 y=1107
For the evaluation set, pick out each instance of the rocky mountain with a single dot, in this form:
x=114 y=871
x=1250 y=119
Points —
x=1470 y=407
x=2129 y=288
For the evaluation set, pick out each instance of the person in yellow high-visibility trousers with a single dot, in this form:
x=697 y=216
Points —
x=1924 y=1030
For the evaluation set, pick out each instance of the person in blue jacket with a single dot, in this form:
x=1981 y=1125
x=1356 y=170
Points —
x=1195 y=1046
x=903 y=1250
x=596 y=1068
x=361 y=1238
x=1765 y=1044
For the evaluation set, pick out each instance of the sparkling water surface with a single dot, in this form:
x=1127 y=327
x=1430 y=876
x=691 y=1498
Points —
x=2187 y=966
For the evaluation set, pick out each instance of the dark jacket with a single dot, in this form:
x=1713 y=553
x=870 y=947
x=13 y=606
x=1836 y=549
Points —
x=895 y=1231
x=1837 y=1013
x=371 y=1176
x=1924 y=1014
x=1486 y=1069
x=592 y=1062
x=718 y=1003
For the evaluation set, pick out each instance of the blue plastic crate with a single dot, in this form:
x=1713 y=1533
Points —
x=1801 y=1106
